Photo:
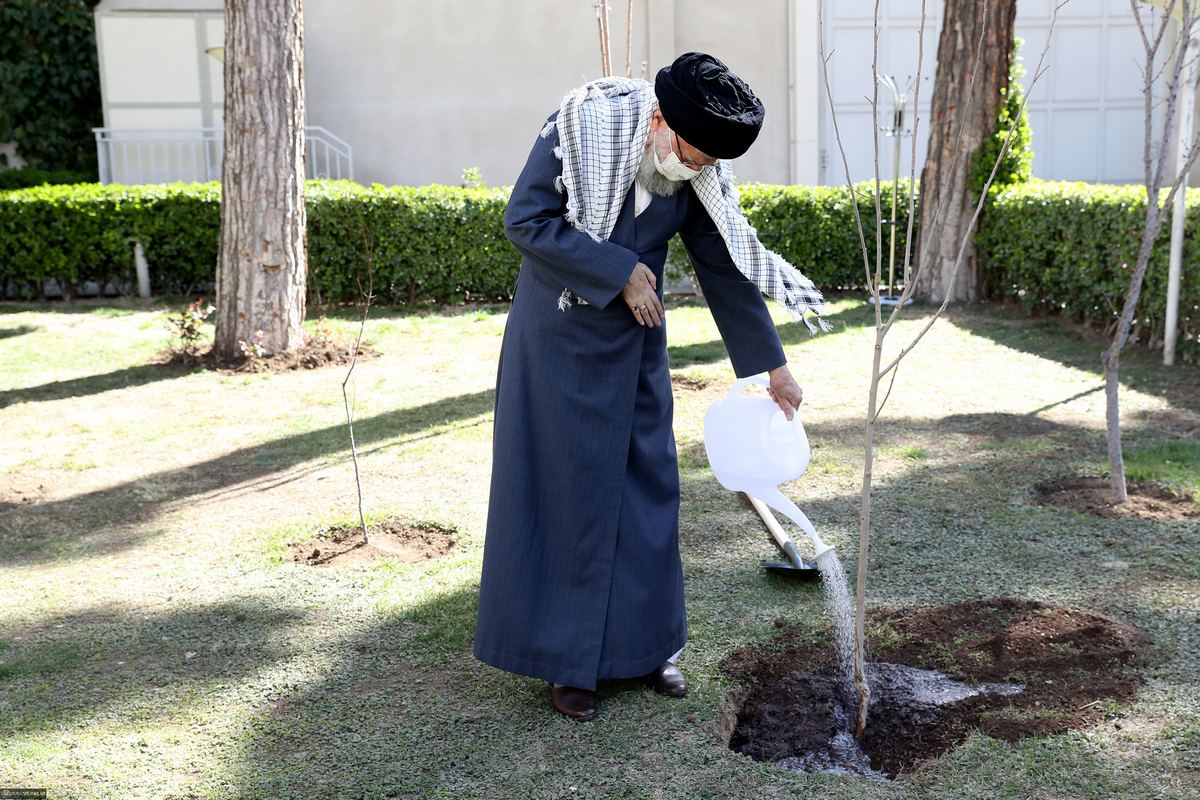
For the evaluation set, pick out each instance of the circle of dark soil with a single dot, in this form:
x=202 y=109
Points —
x=315 y=354
x=391 y=540
x=1070 y=665
x=1145 y=500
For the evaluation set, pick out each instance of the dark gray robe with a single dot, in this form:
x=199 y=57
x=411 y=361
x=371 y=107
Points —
x=582 y=578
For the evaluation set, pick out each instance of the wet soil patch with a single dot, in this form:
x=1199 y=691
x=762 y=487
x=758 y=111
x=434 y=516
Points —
x=1006 y=667
x=392 y=540
x=1145 y=500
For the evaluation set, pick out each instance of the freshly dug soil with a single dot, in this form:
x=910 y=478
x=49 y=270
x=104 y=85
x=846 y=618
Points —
x=1007 y=667
x=313 y=355
x=394 y=540
x=1094 y=496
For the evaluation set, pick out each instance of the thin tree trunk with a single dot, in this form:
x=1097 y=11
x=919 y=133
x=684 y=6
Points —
x=629 y=40
x=862 y=688
x=933 y=216
x=1116 y=458
x=1154 y=163
x=605 y=39
x=1111 y=358
x=963 y=116
x=262 y=265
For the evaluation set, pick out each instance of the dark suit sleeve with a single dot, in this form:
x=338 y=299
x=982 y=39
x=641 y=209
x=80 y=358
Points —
x=736 y=303
x=559 y=252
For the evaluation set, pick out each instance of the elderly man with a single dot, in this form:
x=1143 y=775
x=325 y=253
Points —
x=582 y=578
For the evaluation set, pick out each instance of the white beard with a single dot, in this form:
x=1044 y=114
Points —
x=652 y=180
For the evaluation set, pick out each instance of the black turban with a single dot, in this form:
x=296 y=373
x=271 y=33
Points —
x=710 y=107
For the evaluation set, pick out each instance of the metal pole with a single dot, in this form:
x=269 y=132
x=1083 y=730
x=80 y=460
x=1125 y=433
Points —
x=1179 y=214
x=142 y=269
x=103 y=171
x=895 y=191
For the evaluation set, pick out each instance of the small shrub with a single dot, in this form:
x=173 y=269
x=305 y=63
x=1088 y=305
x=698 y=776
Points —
x=254 y=351
x=185 y=330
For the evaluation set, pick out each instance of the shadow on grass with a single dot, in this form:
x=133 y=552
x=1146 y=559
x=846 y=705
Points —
x=397 y=715
x=407 y=711
x=19 y=330
x=1070 y=345
x=1046 y=337
x=790 y=334
x=139 y=375
x=401 y=709
x=965 y=517
x=103 y=521
x=112 y=661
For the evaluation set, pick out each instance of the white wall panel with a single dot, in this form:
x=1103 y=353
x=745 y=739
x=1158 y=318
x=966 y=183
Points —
x=1085 y=111
x=150 y=59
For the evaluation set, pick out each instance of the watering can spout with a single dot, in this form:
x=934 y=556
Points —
x=776 y=500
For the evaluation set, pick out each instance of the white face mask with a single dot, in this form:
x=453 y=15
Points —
x=672 y=168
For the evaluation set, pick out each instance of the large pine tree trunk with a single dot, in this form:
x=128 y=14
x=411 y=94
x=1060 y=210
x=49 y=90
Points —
x=262 y=266
x=960 y=104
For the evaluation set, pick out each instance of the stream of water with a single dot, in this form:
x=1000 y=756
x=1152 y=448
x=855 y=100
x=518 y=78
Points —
x=841 y=608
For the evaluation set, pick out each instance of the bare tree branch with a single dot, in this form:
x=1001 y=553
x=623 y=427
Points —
x=874 y=279
x=629 y=40
x=838 y=138
x=369 y=249
x=1154 y=170
x=1039 y=70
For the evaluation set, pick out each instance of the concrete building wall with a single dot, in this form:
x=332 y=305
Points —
x=752 y=39
x=154 y=72
x=423 y=90
x=155 y=76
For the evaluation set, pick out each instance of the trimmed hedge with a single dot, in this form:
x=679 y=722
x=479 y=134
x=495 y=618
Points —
x=1068 y=248
x=430 y=243
x=813 y=228
x=433 y=243
x=24 y=177
x=1052 y=246
x=80 y=232
x=426 y=244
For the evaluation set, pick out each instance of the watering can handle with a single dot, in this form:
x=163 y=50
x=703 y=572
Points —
x=741 y=383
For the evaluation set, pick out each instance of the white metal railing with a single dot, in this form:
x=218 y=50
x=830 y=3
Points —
x=194 y=154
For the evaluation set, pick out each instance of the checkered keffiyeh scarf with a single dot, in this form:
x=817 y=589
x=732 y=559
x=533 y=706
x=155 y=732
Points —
x=603 y=127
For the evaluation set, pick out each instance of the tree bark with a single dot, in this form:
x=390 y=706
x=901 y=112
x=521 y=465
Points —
x=262 y=264
x=960 y=104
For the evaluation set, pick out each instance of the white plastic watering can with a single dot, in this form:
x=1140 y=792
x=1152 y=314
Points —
x=753 y=448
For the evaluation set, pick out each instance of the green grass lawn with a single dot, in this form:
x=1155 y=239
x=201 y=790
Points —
x=156 y=641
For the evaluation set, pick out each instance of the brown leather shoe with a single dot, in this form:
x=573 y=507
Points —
x=667 y=680
x=575 y=703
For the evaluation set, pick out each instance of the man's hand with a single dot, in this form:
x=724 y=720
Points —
x=641 y=298
x=784 y=390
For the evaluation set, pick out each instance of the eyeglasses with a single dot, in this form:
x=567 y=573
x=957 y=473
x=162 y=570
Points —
x=688 y=162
